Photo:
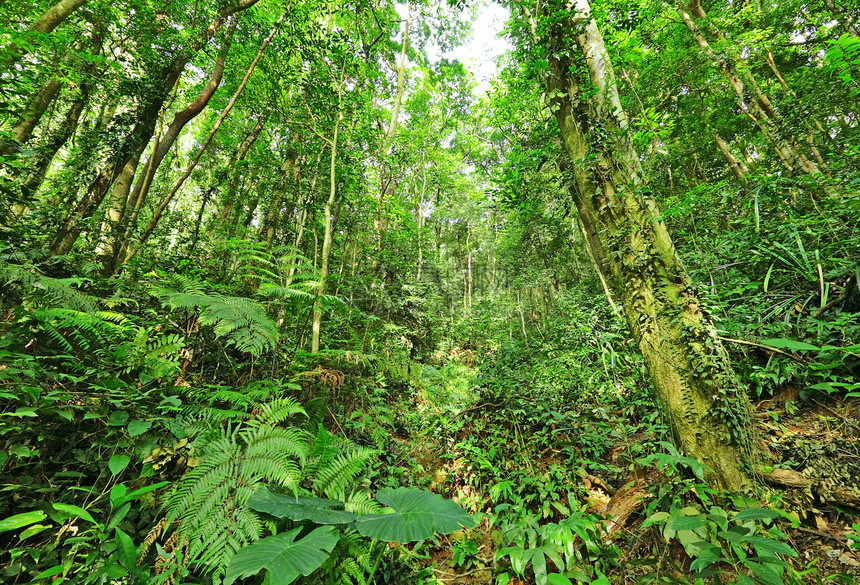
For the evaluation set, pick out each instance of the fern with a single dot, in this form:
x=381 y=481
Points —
x=209 y=505
x=69 y=327
x=350 y=562
x=332 y=465
x=210 y=502
x=157 y=357
x=56 y=292
x=243 y=322
x=360 y=503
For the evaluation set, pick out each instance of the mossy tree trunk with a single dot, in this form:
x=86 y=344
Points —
x=689 y=367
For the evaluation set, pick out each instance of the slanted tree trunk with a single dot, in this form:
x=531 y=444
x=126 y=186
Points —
x=159 y=211
x=46 y=152
x=45 y=25
x=141 y=132
x=758 y=107
x=690 y=370
x=839 y=15
x=125 y=206
x=738 y=168
x=32 y=115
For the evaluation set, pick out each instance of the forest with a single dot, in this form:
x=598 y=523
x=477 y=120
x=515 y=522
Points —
x=355 y=292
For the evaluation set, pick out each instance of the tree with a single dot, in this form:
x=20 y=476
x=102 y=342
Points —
x=689 y=367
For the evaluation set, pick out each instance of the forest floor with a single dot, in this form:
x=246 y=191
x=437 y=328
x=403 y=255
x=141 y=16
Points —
x=528 y=467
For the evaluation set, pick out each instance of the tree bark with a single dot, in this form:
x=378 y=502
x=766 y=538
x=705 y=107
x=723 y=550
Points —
x=328 y=236
x=689 y=367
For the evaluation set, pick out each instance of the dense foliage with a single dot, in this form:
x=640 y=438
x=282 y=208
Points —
x=288 y=294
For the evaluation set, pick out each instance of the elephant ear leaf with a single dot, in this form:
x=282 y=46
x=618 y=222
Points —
x=416 y=515
x=284 y=557
x=296 y=508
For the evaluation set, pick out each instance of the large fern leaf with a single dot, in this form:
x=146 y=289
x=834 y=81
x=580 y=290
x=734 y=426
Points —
x=241 y=321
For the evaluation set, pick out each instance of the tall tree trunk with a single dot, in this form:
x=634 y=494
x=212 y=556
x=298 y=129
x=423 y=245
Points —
x=32 y=115
x=193 y=164
x=690 y=369
x=289 y=176
x=45 y=154
x=328 y=236
x=386 y=180
x=142 y=131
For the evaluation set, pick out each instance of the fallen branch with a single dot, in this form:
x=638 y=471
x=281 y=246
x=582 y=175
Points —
x=477 y=406
x=762 y=346
x=849 y=288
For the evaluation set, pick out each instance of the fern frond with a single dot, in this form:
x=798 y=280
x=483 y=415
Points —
x=68 y=325
x=333 y=478
x=361 y=503
x=279 y=410
x=284 y=292
x=243 y=322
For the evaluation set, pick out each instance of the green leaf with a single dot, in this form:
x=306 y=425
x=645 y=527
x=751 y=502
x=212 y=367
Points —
x=20 y=520
x=767 y=546
x=75 y=511
x=117 y=418
x=33 y=530
x=791 y=344
x=144 y=490
x=283 y=557
x=118 y=462
x=556 y=579
x=417 y=514
x=138 y=427
x=708 y=555
x=126 y=550
x=656 y=518
x=755 y=514
x=317 y=510
x=56 y=569
x=687 y=523
x=117 y=494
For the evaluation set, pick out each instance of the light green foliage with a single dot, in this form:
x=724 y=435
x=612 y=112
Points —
x=743 y=540
x=243 y=322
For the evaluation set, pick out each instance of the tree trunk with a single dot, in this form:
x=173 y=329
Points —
x=224 y=113
x=125 y=208
x=141 y=133
x=386 y=180
x=739 y=169
x=328 y=236
x=757 y=108
x=689 y=367
x=846 y=24
x=32 y=115
x=45 y=25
